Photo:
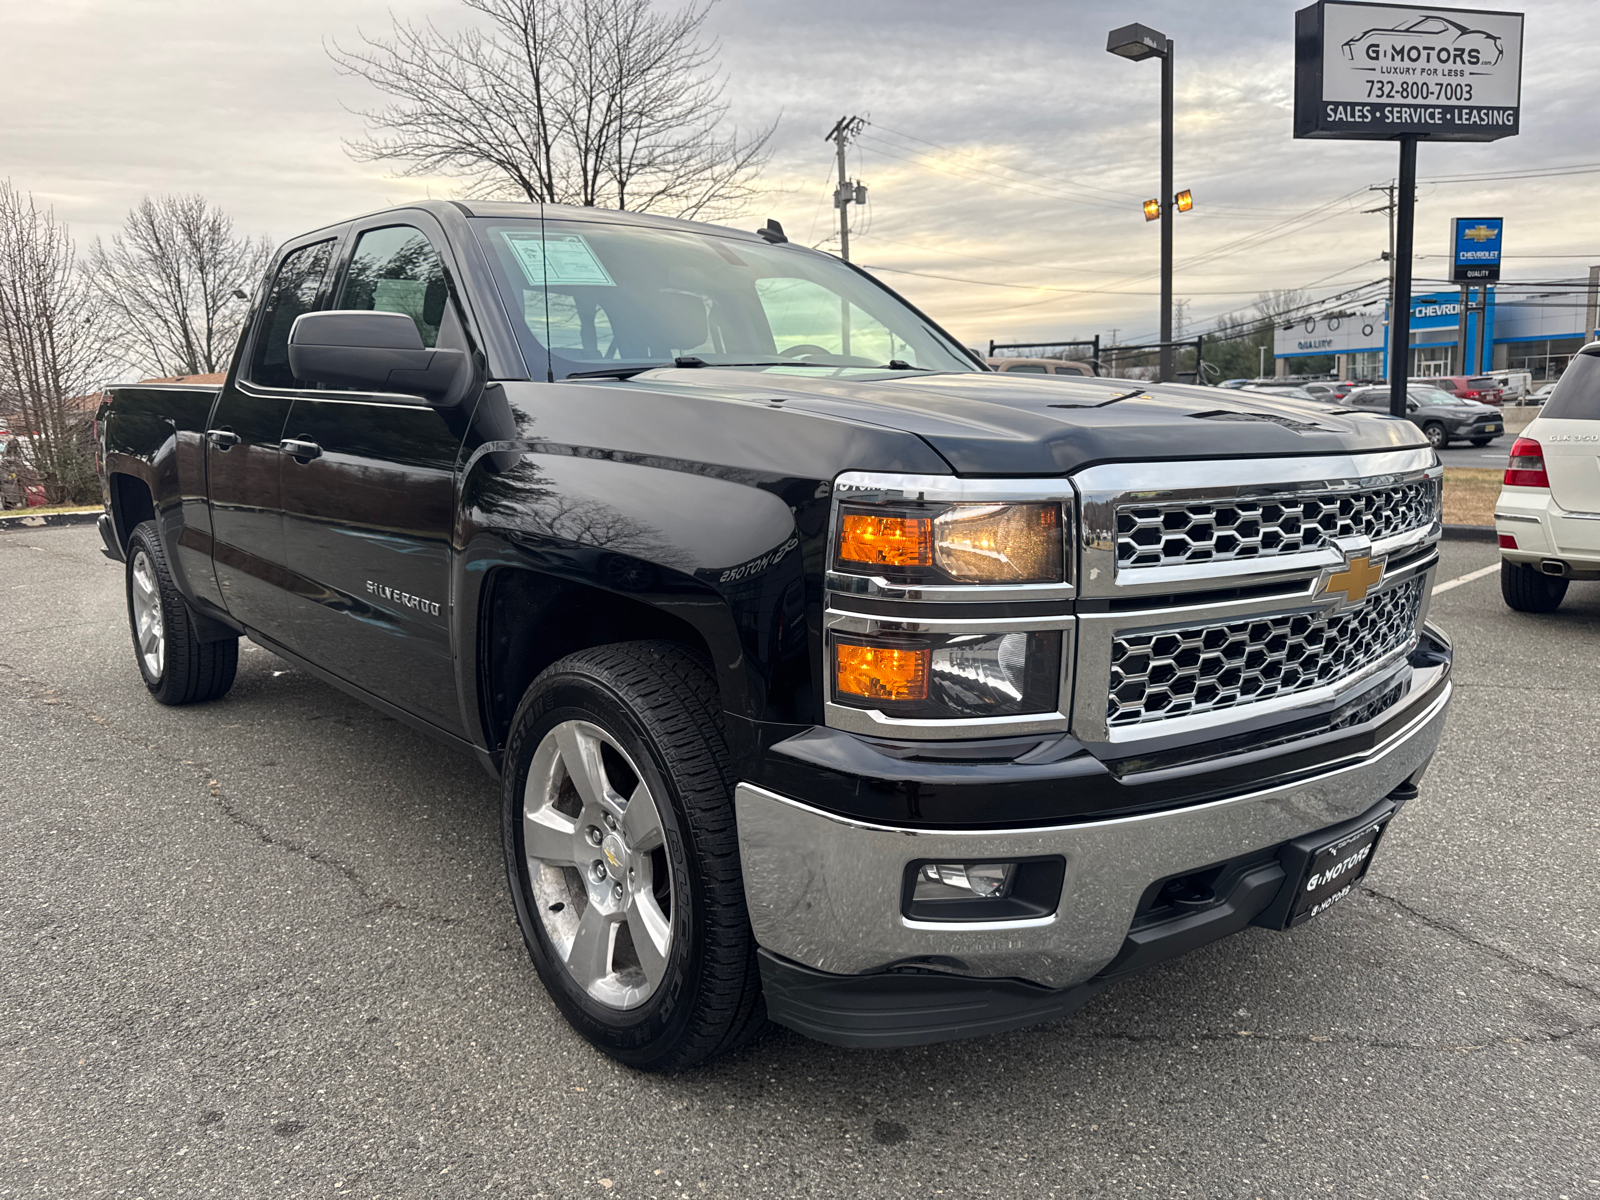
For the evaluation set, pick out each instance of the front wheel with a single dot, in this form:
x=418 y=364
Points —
x=1528 y=590
x=176 y=665
x=623 y=858
x=1437 y=438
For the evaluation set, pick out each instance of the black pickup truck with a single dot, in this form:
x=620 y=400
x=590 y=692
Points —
x=830 y=676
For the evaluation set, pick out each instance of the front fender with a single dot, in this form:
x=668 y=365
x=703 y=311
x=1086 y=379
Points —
x=722 y=552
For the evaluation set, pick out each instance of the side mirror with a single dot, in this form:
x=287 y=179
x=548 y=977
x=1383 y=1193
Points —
x=375 y=352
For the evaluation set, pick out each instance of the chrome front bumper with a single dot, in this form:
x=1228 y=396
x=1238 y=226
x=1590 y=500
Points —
x=825 y=891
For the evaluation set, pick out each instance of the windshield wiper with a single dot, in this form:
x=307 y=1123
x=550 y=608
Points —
x=620 y=372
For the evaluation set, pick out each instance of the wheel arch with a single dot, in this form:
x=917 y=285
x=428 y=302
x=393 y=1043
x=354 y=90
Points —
x=527 y=619
x=131 y=503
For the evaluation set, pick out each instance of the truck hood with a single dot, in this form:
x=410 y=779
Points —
x=1004 y=424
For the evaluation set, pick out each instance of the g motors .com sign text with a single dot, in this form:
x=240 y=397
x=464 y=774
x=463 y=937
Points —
x=1380 y=70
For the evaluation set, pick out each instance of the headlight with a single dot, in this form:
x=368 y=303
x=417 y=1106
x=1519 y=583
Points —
x=954 y=543
x=948 y=675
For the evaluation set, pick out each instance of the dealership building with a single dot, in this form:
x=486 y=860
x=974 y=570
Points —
x=1535 y=327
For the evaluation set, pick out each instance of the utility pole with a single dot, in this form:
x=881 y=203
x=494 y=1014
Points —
x=1387 y=190
x=844 y=131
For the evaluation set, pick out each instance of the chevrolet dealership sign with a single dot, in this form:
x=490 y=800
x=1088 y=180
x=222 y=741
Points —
x=1475 y=249
x=1382 y=70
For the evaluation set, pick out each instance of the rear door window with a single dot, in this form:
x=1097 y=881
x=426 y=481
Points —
x=1577 y=394
x=1026 y=369
x=294 y=291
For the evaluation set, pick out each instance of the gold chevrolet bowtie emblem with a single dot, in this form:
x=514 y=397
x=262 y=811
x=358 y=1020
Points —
x=1480 y=233
x=1358 y=577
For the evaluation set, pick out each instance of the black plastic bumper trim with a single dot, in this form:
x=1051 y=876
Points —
x=907 y=1008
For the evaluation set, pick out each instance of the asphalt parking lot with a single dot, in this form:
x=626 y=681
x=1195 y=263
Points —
x=263 y=947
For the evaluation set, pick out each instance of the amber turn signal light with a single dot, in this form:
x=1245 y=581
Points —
x=886 y=541
x=880 y=672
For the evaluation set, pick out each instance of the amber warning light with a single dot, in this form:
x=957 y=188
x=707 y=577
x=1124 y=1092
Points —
x=880 y=672
x=886 y=541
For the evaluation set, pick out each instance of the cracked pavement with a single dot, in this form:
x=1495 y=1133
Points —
x=264 y=947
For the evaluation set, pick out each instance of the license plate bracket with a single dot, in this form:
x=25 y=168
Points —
x=1309 y=861
x=1334 y=870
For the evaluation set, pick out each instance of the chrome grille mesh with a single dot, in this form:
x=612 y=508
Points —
x=1170 y=533
x=1202 y=668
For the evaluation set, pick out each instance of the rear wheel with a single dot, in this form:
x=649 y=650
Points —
x=623 y=858
x=1527 y=589
x=1437 y=438
x=176 y=665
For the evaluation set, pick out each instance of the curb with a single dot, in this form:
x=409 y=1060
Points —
x=1469 y=533
x=20 y=519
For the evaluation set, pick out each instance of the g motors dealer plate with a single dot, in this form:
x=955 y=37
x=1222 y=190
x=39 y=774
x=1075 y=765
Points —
x=1334 y=871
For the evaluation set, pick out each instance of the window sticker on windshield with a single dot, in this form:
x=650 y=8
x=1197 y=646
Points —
x=562 y=259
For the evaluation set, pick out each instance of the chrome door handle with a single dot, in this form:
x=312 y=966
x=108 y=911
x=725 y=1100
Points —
x=299 y=450
x=223 y=438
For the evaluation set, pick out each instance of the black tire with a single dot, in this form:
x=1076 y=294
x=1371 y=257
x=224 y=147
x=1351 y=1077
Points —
x=1481 y=441
x=1528 y=589
x=188 y=670
x=660 y=704
x=1437 y=437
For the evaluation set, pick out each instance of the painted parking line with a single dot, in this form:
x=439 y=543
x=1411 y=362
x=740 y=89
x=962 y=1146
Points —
x=1467 y=578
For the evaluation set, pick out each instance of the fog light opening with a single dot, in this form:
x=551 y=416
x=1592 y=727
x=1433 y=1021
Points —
x=958 y=881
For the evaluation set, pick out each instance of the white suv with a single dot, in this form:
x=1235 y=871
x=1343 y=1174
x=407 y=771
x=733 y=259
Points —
x=1548 y=513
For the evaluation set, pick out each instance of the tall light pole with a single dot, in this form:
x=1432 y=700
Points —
x=1139 y=42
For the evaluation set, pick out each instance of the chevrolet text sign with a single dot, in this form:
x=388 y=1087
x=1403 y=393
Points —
x=1381 y=70
x=1475 y=249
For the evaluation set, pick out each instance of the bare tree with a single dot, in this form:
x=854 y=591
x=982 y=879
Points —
x=602 y=103
x=168 y=282
x=52 y=351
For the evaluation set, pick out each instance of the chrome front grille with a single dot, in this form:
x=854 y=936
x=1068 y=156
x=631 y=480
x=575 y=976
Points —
x=1197 y=668
x=1173 y=533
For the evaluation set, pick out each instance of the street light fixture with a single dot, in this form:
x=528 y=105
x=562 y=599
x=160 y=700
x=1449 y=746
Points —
x=1152 y=209
x=1138 y=42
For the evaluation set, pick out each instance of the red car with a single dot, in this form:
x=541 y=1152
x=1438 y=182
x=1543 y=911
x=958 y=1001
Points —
x=1481 y=388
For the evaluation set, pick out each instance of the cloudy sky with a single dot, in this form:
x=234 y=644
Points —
x=1007 y=152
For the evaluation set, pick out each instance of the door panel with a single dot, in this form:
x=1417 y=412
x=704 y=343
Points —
x=367 y=525
x=243 y=458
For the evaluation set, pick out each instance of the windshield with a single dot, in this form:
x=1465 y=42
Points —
x=1432 y=396
x=600 y=296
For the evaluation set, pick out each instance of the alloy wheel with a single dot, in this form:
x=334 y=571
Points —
x=149 y=628
x=597 y=866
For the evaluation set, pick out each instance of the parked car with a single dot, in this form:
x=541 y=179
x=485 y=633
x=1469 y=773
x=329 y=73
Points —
x=1285 y=391
x=1332 y=391
x=1513 y=385
x=1039 y=366
x=1540 y=394
x=1439 y=414
x=1482 y=388
x=1545 y=516
x=862 y=688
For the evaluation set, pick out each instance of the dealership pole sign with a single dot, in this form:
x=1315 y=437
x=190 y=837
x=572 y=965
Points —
x=1475 y=249
x=1406 y=73
x=1378 y=71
